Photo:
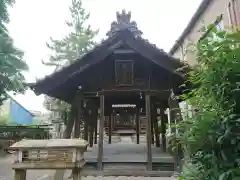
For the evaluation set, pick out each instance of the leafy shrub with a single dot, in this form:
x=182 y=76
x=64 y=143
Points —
x=211 y=138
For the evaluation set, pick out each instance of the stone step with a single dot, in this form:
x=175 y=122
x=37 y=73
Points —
x=106 y=175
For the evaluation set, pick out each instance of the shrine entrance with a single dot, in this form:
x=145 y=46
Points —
x=125 y=117
x=120 y=89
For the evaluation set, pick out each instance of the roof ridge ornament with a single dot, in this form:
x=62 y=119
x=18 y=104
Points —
x=124 y=22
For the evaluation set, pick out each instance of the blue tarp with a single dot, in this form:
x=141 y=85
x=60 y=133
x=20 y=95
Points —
x=19 y=115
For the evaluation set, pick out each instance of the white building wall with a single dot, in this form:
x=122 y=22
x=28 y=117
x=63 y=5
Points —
x=216 y=8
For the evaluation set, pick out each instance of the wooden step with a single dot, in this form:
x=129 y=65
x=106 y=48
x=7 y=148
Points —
x=128 y=169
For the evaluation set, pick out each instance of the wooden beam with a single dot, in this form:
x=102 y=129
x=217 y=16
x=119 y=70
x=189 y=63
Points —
x=123 y=51
x=101 y=130
x=137 y=125
x=149 y=138
x=153 y=92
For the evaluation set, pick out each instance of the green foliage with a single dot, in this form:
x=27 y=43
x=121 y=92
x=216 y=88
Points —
x=11 y=62
x=77 y=42
x=65 y=51
x=4 y=12
x=211 y=138
x=17 y=132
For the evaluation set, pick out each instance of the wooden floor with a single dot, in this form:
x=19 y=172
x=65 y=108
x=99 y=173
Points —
x=128 y=160
x=127 y=153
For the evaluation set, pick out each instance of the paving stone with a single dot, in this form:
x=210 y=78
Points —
x=127 y=178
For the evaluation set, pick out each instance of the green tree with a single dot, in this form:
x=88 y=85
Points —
x=11 y=58
x=211 y=138
x=79 y=41
x=68 y=49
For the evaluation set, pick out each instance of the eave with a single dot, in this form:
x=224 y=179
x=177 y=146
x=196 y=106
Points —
x=99 y=53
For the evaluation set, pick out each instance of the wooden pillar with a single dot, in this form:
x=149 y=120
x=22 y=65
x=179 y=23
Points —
x=95 y=126
x=86 y=124
x=155 y=125
x=110 y=129
x=149 y=137
x=78 y=116
x=114 y=119
x=137 y=125
x=91 y=129
x=152 y=132
x=85 y=136
x=153 y=117
x=20 y=174
x=91 y=119
x=163 y=128
x=101 y=130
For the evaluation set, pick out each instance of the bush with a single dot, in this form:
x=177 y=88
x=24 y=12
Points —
x=211 y=138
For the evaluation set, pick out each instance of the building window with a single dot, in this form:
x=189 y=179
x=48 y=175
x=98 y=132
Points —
x=124 y=72
x=234 y=14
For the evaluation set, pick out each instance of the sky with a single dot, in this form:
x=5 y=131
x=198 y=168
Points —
x=33 y=22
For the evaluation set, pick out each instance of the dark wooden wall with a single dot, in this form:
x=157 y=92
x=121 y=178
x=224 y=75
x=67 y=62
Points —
x=101 y=76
